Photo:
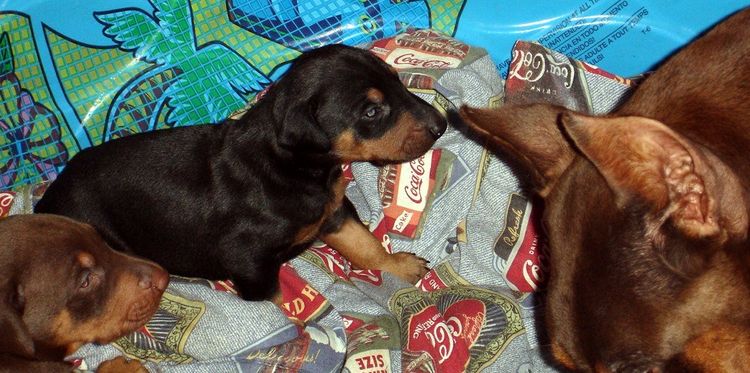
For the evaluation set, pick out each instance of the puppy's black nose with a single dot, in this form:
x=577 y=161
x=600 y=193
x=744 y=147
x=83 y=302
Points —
x=437 y=126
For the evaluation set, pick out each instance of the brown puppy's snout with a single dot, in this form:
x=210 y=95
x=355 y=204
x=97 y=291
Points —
x=152 y=277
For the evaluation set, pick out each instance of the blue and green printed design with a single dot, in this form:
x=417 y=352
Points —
x=208 y=81
x=80 y=74
x=306 y=24
x=30 y=146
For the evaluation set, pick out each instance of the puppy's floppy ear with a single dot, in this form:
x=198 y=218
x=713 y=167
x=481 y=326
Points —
x=15 y=339
x=297 y=127
x=643 y=158
x=528 y=133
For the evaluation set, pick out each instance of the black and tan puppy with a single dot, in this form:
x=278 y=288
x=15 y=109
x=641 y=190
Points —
x=61 y=286
x=647 y=213
x=238 y=199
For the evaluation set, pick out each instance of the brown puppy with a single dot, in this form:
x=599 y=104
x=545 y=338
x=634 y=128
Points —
x=61 y=286
x=647 y=213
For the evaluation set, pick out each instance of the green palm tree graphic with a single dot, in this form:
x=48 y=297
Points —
x=212 y=81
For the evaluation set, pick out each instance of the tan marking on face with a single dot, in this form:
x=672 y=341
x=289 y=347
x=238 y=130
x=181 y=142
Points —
x=85 y=259
x=309 y=232
x=127 y=308
x=375 y=95
x=407 y=140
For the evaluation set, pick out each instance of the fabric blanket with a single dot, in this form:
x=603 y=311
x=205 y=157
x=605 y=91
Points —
x=458 y=206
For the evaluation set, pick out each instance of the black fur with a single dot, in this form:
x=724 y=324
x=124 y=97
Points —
x=226 y=201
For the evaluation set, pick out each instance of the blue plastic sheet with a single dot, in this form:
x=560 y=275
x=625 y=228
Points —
x=76 y=73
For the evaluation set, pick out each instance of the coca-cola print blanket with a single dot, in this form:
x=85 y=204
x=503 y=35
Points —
x=458 y=206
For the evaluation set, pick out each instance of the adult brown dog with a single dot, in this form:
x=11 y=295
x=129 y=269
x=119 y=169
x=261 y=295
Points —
x=61 y=286
x=647 y=213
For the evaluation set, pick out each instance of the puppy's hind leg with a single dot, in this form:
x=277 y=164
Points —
x=356 y=243
x=256 y=276
x=256 y=283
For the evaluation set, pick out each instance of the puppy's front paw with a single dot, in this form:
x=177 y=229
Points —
x=121 y=365
x=407 y=266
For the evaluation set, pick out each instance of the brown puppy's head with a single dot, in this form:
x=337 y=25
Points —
x=634 y=214
x=345 y=102
x=61 y=286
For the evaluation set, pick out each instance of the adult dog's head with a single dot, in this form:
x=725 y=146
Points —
x=348 y=103
x=646 y=213
x=646 y=232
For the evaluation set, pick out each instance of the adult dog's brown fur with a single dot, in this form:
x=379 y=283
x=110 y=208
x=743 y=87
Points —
x=61 y=286
x=647 y=213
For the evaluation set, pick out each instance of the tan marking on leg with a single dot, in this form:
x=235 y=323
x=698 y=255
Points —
x=336 y=199
x=360 y=247
x=562 y=357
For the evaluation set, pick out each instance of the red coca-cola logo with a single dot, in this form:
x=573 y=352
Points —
x=332 y=260
x=340 y=266
x=466 y=318
x=441 y=338
x=414 y=188
x=6 y=201
x=526 y=271
x=447 y=338
x=413 y=60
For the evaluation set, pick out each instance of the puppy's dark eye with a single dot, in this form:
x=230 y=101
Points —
x=17 y=299
x=371 y=112
x=85 y=279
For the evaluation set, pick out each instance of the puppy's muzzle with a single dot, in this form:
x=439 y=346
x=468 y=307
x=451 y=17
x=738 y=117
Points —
x=434 y=123
x=152 y=277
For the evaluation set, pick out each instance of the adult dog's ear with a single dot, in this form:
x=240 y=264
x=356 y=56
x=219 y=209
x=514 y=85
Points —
x=297 y=127
x=15 y=339
x=530 y=134
x=680 y=181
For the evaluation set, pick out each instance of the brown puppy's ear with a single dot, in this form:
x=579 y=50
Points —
x=643 y=158
x=15 y=339
x=528 y=133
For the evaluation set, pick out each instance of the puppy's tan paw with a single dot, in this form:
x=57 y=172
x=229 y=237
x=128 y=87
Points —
x=407 y=266
x=121 y=364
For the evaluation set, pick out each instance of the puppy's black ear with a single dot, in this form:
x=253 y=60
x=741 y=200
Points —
x=15 y=339
x=297 y=128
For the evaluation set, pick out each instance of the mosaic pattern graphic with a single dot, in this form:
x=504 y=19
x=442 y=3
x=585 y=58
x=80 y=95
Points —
x=307 y=24
x=31 y=147
x=82 y=75
x=208 y=80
